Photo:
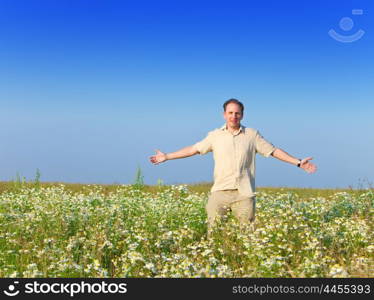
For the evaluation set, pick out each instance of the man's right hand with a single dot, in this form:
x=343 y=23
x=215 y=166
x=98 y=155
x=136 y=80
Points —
x=159 y=157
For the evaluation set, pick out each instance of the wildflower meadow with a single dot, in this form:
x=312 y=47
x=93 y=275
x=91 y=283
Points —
x=128 y=231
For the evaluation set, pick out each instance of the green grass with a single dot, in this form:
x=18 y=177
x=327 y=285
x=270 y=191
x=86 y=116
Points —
x=77 y=230
x=7 y=186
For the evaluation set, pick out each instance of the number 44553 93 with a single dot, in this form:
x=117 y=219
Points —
x=347 y=289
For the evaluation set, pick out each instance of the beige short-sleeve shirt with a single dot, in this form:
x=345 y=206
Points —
x=234 y=157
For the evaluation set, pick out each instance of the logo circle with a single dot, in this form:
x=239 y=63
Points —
x=346 y=23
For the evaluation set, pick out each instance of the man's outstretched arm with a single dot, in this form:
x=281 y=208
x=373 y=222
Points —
x=160 y=157
x=305 y=163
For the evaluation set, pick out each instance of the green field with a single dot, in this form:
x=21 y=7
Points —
x=74 y=230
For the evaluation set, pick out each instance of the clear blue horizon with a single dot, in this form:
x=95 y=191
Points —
x=89 y=89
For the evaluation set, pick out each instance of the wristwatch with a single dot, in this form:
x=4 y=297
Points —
x=299 y=163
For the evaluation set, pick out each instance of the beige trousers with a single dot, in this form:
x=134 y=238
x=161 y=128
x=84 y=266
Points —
x=222 y=202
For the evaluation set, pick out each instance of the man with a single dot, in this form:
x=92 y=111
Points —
x=234 y=149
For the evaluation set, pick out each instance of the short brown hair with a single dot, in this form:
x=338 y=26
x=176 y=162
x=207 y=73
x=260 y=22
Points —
x=232 y=100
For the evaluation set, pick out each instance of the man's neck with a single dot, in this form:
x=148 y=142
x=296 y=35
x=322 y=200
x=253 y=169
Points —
x=233 y=129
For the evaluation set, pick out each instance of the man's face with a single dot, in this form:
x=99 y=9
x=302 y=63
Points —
x=233 y=115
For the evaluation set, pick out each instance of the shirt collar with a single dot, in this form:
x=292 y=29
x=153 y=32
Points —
x=241 y=129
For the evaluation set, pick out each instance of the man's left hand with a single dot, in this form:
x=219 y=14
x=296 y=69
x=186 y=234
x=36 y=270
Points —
x=307 y=166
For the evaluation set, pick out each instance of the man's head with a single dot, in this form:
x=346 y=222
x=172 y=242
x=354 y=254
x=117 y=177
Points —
x=233 y=111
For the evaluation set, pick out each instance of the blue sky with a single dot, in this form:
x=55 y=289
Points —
x=88 y=89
